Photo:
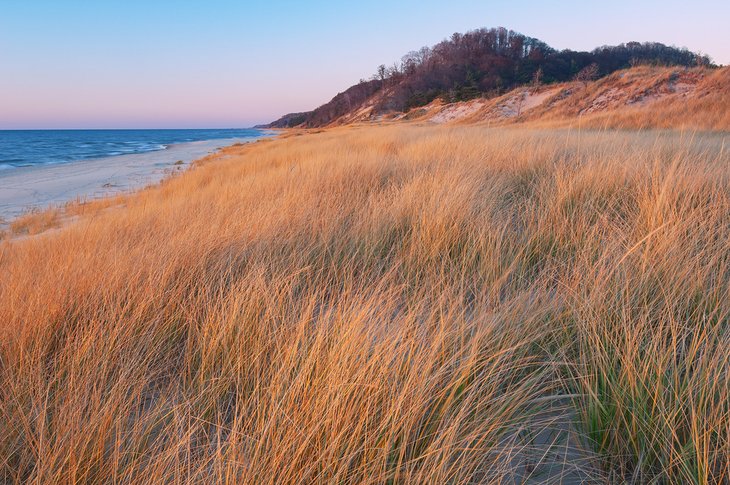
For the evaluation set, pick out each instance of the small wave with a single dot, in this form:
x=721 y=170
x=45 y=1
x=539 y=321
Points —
x=151 y=147
x=10 y=166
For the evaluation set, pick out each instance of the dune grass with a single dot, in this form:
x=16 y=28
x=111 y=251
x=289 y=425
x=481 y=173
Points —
x=34 y=222
x=706 y=106
x=394 y=304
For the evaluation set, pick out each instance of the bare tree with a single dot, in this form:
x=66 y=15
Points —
x=587 y=74
x=409 y=63
x=393 y=72
x=702 y=60
x=537 y=77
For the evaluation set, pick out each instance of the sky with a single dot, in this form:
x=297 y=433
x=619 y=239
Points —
x=232 y=64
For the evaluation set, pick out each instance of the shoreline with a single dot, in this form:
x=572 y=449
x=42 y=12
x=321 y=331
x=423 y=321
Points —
x=28 y=189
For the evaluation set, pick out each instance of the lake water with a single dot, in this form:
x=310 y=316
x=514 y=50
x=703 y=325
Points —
x=23 y=148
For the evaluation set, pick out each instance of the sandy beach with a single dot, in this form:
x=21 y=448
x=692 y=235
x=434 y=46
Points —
x=30 y=188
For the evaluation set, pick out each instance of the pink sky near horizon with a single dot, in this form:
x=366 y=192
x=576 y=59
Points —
x=222 y=63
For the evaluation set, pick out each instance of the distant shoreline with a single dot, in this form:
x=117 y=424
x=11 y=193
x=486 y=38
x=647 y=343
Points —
x=31 y=188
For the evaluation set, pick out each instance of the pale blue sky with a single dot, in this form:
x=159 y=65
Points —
x=225 y=63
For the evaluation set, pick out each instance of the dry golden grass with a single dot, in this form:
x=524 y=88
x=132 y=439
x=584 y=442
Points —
x=705 y=106
x=34 y=222
x=383 y=305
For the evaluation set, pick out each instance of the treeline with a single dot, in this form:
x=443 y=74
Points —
x=486 y=62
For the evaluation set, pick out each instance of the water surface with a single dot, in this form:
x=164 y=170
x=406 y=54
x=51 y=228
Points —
x=24 y=148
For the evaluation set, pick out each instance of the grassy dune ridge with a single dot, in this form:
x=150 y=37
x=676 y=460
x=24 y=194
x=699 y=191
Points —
x=395 y=304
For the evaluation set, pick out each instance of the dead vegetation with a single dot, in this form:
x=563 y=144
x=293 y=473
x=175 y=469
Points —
x=383 y=305
x=34 y=222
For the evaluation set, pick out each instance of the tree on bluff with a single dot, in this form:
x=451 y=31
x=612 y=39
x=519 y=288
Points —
x=488 y=62
x=587 y=74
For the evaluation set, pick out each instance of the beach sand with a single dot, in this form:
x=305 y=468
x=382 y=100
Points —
x=30 y=188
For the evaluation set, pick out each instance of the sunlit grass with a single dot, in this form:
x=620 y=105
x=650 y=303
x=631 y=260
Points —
x=706 y=106
x=383 y=305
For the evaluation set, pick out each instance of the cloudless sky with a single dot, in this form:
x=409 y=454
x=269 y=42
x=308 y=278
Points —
x=227 y=63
